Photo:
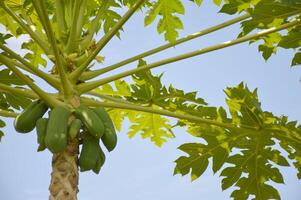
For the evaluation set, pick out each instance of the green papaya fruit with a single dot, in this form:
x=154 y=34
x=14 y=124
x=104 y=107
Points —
x=41 y=127
x=109 y=138
x=91 y=121
x=26 y=121
x=103 y=114
x=74 y=128
x=100 y=161
x=57 y=129
x=89 y=153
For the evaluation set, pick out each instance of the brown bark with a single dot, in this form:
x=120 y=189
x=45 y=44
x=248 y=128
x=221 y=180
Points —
x=64 y=176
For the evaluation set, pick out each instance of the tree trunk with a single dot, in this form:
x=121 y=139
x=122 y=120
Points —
x=64 y=176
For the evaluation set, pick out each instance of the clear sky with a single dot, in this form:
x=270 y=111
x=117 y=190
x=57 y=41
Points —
x=138 y=170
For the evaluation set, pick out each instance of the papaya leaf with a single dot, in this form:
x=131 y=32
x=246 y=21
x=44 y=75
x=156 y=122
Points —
x=35 y=54
x=10 y=101
x=17 y=101
x=297 y=59
x=24 y=10
x=290 y=140
x=120 y=88
x=118 y=116
x=2 y=124
x=152 y=126
x=9 y=78
x=10 y=25
x=170 y=23
x=246 y=155
x=266 y=14
x=148 y=89
x=292 y=41
x=4 y=37
x=197 y=2
x=110 y=18
x=1 y=135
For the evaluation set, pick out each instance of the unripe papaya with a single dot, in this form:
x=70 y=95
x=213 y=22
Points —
x=103 y=114
x=74 y=128
x=89 y=153
x=26 y=121
x=57 y=129
x=100 y=161
x=41 y=127
x=91 y=121
x=109 y=138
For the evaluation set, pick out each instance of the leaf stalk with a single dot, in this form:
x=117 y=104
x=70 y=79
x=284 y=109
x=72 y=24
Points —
x=92 y=74
x=88 y=86
x=104 y=40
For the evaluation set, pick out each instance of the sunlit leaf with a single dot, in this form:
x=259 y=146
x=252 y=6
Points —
x=245 y=154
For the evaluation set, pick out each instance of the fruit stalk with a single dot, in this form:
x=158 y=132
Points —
x=64 y=176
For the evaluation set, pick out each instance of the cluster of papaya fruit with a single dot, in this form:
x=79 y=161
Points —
x=88 y=126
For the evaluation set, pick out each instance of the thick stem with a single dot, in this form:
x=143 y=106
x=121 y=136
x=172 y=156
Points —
x=64 y=176
x=95 y=73
x=85 y=87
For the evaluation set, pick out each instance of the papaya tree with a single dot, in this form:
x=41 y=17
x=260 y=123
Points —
x=63 y=45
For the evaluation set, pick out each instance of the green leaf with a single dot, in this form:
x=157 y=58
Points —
x=266 y=51
x=1 y=135
x=148 y=89
x=292 y=40
x=152 y=14
x=110 y=19
x=217 y=147
x=276 y=157
x=264 y=191
x=169 y=23
x=266 y=14
x=120 y=88
x=35 y=54
x=8 y=100
x=230 y=8
x=2 y=124
x=197 y=161
x=18 y=102
x=198 y=2
x=9 y=78
x=149 y=125
x=297 y=59
x=118 y=116
x=217 y=2
x=9 y=23
x=246 y=153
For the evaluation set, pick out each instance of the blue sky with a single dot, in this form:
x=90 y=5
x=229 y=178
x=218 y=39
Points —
x=137 y=169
